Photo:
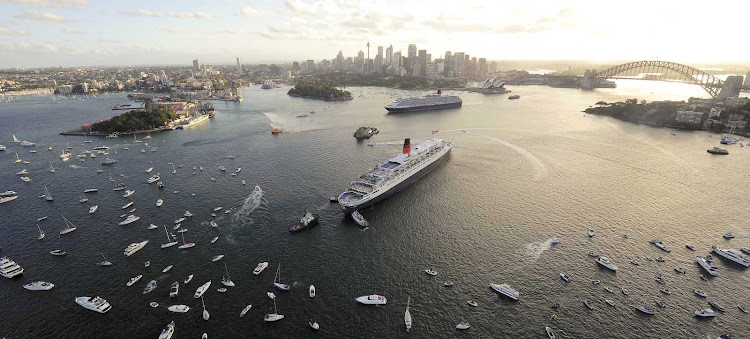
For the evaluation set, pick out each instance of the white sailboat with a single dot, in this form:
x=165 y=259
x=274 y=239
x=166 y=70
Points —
x=47 y=194
x=407 y=315
x=169 y=243
x=15 y=140
x=105 y=262
x=69 y=227
x=277 y=280
x=185 y=244
x=275 y=316
x=51 y=168
x=206 y=316
x=98 y=170
x=174 y=171
x=41 y=234
x=226 y=280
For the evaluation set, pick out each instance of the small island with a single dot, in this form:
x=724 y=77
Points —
x=150 y=119
x=318 y=89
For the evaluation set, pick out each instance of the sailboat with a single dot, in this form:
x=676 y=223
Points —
x=47 y=195
x=174 y=171
x=407 y=315
x=51 y=168
x=226 y=280
x=41 y=234
x=98 y=170
x=185 y=244
x=15 y=139
x=105 y=262
x=205 y=312
x=18 y=159
x=169 y=243
x=275 y=316
x=277 y=280
x=69 y=227
x=87 y=141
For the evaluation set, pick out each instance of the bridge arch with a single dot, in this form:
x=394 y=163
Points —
x=664 y=71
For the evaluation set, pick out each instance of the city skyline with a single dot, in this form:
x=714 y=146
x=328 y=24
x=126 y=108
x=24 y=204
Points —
x=44 y=33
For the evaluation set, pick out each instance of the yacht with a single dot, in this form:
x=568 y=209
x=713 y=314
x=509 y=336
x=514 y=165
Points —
x=565 y=277
x=217 y=257
x=153 y=179
x=188 y=279
x=128 y=193
x=134 y=280
x=149 y=287
x=91 y=190
x=716 y=306
x=700 y=293
x=128 y=205
x=109 y=161
x=96 y=304
x=505 y=290
x=47 y=194
x=130 y=219
x=179 y=308
x=8 y=193
x=93 y=209
x=707 y=313
x=167 y=332
x=311 y=291
x=359 y=219
x=27 y=143
x=199 y=292
x=169 y=242
x=606 y=263
x=261 y=266
x=8 y=199
x=660 y=245
x=645 y=309
x=226 y=280
x=372 y=299
x=58 y=253
x=728 y=235
x=275 y=316
x=39 y=286
x=105 y=262
x=166 y=269
x=159 y=203
x=185 y=245
x=732 y=255
x=707 y=264
x=134 y=247
x=9 y=268
x=174 y=290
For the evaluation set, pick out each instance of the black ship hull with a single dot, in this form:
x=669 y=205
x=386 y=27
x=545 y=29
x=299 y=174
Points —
x=301 y=227
x=400 y=186
x=423 y=108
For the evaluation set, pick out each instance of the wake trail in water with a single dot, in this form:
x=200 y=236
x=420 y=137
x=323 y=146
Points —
x=539 y=169
x=534 y=250
x=247 y=206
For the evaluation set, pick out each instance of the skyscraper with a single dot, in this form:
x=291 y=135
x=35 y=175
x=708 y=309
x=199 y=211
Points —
x=422 y=61
x=458 y=64
x=340 y=61
x=389 y=55
x=310 y=65
x=380 y=54
x=196 y=64
x=482 y=66
x=239 y=66
x=411 y=57
x=493 y=67
x=396 y=60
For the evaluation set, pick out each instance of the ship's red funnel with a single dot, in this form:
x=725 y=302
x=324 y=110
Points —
x=407 y=146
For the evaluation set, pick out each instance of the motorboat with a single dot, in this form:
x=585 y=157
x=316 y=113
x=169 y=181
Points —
x=716 y=306
x=221 y=290
x=271 y=295
x=96 y=304
x=732 y=255
x=728 y=235
x=39 y=286
x=91 y=190
x=202 y=289
x=624 y=291
x=154 y=178
x=550 y=334
x=134 y=247
x=690 y=247
x=593 y=254
x=372 y=299
x=565 y=277
x=606 y=288
x=134 y=280
x=645 y=309
x=591 y=233
x=127 y=205
x=679 y=269
x=430 y=272
x=159 y=202
x=588 y=304
x=472 y=303
x=448 y=284
x=744 y=310
x=359 y=219
x=311 y=291
x=261 y=266
x=187 y=214
x=505 y=290
x=743 y=249
x=217 y=209
x=707 y=264
x=464 y=325
x=706 y=313
x=8 y=193
x=217 y=257
x=9 y=268
x=660 y=259
x=154 y=304
x=313 y=325
x=609 y=302
x=214 y=239
x=8 y=199
x=665 y=291
x=174 y=289
x=152 y=227
x=658 y=243
x=166 y=269
x=130 y=219
x=128 y=193
x=179 y=308
x=245 y=310
x=606 y=263
x=179 y=220
x=26 y=179
x=554 y=241
x=188 y=279
x=167 y=332
x=700 y=293
x=213 y=224
x=147 y=263
x=149 y=287
x=93 y=209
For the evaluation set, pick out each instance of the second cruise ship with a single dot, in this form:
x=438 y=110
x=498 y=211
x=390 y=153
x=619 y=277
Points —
x=425 y=103
x=395 y=174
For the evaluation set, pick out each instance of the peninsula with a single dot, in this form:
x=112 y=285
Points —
x=318 y=89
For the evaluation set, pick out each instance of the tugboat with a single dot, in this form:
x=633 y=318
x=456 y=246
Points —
x=717 y=150
x=275 y=131
x=365 y=132
x=308 y=220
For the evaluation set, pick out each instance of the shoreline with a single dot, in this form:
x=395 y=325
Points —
x=654 y=124
x=317 y=98
x=97 y=134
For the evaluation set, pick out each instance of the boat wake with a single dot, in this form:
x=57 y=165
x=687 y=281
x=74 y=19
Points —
x=249 y=205
x=287 y=122
x=76 y=166
x=534 y=250
x=539 y=169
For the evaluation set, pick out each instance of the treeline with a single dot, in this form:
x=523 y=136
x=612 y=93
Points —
x=136 y=120
x=320 y=89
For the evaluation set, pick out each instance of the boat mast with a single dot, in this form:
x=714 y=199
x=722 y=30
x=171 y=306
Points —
x=167 y=232
x=227 y=270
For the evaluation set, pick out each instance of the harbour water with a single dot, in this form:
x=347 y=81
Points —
x=522 y=172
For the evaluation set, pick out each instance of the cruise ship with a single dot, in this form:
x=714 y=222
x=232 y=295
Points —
x=733 y=255
x=395 y=174
x=134 y=247
x=425 y=103
x=9 y=268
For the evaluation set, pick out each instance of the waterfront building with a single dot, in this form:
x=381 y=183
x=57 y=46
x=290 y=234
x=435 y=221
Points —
x=746 y=84
x=690 y=117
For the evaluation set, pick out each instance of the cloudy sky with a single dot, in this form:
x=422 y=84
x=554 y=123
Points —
x=89 y=32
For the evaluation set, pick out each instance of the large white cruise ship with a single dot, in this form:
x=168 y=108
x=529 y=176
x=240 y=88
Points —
x=395 y=174
x=134 y=247
x=9 y=268
x=733 y=255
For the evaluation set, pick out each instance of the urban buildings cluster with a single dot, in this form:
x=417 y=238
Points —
x=415 y=62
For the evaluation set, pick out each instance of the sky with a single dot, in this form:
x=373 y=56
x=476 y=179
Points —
x=41 y=33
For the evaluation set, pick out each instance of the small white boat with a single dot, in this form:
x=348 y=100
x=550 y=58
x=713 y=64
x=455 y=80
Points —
x=147 y=263
x=430 y=272
x=69 y=227
x=206 y=316
x=96 y=304
x=152 y=226
x=179 y=220
x=128 y=193
x=591 y=233
x=372 y=299
x=179 y=308
x=271 y=295
x=700 y=293
x=313 y=325
x=217 y=209
x=728 y=235
x=167 y=332
x=609 y=302
x=706 y=313
x=463 y=325
x=472 y=303
x=174 y=289
x=245 y=310
x=166 y=269
x=359 y=219
x=93 y=209
x=624 y=291
x=214 y=239
x=159 y=202
x=277 y=280
x=149 y=287
x=105 y=262
x=39 y=286
x=187 y=214
x=134 y=280
x=214 y=224
x=448 y=284
x=261 y=266
x=128 y=205
x=565 y=277
x=91 y=190
x=188 y=279
x=226 y=280
x=217 y=257
x=550 y=334
x=311 y=291
x=202 y=289
x=221 y=290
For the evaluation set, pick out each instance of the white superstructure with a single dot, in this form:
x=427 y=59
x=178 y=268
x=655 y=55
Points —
x=96 y=304
x=505 y=290
x=9 y=268
x=733 y=255
x=134 y=247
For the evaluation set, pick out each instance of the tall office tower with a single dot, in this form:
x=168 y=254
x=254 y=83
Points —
x=389 y=56
x=380 y=54
x=310 y=65
x=458 y=64
x=340 y=61
x=295 y=67
x=411 y=57
x=448 y=69
x=396 y=60
x=239 y=65
x=482 y=66
x=472 y=67
x=422 y=61
x=493 y=67
x=196 y=64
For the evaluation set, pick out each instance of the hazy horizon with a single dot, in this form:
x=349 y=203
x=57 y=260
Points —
x=87 y=33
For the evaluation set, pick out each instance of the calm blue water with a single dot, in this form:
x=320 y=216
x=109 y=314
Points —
x=523 y=172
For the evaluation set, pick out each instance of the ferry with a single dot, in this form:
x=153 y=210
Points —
x=397 y=173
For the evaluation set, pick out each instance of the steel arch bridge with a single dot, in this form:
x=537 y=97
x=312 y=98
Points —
x=664 y=71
